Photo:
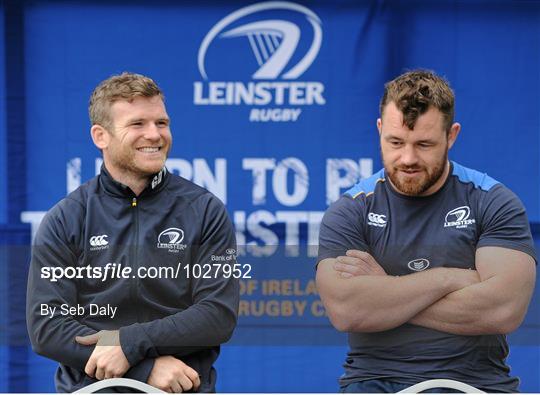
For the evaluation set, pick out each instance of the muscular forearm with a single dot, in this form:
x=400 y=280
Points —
x=497 y=304
x=474 y=310
x=376 y=303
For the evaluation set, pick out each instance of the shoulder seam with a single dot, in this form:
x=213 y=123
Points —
x=479 y=180
x=369 y=193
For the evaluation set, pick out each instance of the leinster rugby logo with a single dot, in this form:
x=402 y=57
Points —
x=418 y=265
x=170 y=239
x=458 y=217
x=268 y=44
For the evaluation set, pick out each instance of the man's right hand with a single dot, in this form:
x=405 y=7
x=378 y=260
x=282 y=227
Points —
x=172 y=375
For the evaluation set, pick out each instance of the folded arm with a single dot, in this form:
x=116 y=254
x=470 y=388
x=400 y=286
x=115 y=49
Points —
x=372 y=302
x=53 y=335
x=495 y=305
x=212 y=317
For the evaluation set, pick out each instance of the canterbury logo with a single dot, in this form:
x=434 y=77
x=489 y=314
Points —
x=377 y=220
x=99 y=241
x=458 y=217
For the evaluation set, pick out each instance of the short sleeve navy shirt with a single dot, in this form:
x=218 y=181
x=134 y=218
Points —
x=407 y=234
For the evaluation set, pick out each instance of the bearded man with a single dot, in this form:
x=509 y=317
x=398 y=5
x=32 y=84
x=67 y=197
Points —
x=110 y=293
x=427 y=264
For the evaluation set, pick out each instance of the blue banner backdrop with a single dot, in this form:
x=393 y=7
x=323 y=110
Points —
x=277 y=138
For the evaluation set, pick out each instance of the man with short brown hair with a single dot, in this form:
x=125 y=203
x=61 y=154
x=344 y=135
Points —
x=112 y=291
x=427 y=264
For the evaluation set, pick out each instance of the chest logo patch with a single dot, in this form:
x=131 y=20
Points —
x=418 y=264
x=170 y=239
x=98 y=242
x=377 y=220
x=459 y=218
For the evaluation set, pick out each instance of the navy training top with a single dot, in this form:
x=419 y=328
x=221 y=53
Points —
x=406 y=234
x=173 y=224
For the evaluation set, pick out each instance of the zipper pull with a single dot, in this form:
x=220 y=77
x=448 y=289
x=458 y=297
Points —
x=134 y=202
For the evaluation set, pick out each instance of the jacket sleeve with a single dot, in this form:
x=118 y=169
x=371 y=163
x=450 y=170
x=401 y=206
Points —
x=212 y=317
x=53 y=335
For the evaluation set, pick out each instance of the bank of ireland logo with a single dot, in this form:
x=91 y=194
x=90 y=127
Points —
x=418 y=265
x=171 y=239
x=274 y=93
x=458 y=218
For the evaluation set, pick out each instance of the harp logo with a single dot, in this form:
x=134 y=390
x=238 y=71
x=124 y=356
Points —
x=170 y=239
x=276 y=57
x=458 y=218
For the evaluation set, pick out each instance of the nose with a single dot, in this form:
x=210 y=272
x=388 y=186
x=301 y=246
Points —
x=409 y=156
x=152 y=133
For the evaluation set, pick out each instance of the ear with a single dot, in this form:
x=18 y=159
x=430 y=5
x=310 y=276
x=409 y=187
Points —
x=100 y=136
x=379 y=125
x=452 y=135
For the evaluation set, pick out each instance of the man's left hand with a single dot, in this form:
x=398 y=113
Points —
x=357 y=263
x=107 y=360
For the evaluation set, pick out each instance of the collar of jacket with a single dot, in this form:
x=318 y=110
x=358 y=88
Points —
x=156 y=184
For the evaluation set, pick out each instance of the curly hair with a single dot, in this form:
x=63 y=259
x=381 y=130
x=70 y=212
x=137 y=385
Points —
x=415 y=92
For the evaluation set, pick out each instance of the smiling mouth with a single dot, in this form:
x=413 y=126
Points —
x=149 y=150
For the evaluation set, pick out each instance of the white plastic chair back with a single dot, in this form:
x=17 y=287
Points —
x=120 y=382
x=441 y=383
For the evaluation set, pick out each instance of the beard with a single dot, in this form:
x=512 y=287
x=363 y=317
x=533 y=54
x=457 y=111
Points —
x=133 y=167
x=415 y=186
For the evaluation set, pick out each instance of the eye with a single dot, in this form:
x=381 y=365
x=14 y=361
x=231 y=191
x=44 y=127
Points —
x=137 y=123
x=395 y=143
x=162 y=124
x=425 y=145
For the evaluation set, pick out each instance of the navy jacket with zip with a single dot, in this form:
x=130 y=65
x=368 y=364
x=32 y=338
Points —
x=174 y=225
